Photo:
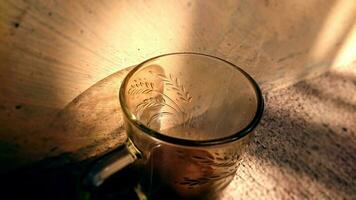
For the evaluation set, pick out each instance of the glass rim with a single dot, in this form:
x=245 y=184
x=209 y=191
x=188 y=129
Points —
x=186 y=142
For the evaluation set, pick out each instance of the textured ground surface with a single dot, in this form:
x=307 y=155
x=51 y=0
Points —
x=305 y=147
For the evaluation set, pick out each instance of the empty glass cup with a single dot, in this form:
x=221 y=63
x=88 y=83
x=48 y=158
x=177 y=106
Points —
x=188 y=118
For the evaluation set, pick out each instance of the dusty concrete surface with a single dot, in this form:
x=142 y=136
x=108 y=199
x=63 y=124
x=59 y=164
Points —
x=305 y=147
x=52 y=51
x=53 y=55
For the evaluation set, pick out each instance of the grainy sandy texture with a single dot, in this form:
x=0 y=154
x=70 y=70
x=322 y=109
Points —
x=305 y=147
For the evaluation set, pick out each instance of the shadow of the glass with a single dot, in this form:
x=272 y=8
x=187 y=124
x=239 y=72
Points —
x=86 y=128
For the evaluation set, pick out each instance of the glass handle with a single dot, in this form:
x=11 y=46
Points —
x=111 y=163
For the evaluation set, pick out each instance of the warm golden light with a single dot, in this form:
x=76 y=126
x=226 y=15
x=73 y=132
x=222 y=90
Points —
x=137 y=38
x=346 y=57
x=336 y=25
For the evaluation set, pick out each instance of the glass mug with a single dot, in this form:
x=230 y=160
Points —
x=188 y=117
